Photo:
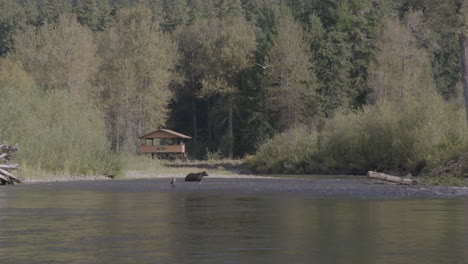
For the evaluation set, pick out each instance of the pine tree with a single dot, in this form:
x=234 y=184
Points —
x=449 y=18
x=228 y=8
x=11 y=18
x=227 y=50
x=157 y=8
x=50 y=10
x=96 y=14
x=88 y=13
x=175 y=14
x=195 y=10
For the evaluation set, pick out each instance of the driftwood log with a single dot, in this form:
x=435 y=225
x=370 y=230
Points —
x=390 y=178
x=6 y=154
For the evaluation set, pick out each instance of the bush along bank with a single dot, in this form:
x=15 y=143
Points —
x=55 y=131
x=415 y=135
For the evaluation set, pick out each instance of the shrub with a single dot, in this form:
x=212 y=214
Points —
x=401 y=137
x=55 y=131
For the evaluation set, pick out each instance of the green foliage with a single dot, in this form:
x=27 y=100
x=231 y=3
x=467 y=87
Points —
x=142 y=162
x=60 y=56
x=288 y=152
x=389 y=136
x=342 y=37
x=50 y=10
x=213 y=155
x=228 y=8
x=445 y=180
x=400 y=68
x=135 y=76
x=437 y=27
x=12 y=17
x=225 y=52
x=54 y=131
x=175 y=14
x=93 y=13
x=329 y=56
x=289 y=72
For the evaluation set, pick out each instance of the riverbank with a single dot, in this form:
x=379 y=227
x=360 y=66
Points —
x=312 y=186
x=135 y=174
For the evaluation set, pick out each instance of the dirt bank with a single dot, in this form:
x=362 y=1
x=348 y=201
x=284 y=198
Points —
x=312 y=186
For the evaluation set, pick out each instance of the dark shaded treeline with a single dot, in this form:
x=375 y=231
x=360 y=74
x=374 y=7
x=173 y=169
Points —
x=243 y=70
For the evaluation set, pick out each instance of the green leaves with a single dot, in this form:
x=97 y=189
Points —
x=56 y=132
x=135 y=76
x=289 y=73
x=61 y=56
x=227 y=48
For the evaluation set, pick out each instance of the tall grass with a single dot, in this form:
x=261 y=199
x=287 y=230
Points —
x=407 y=136
x=55 y=132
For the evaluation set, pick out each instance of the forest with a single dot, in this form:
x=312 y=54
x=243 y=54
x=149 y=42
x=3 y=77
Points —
x=291 y=86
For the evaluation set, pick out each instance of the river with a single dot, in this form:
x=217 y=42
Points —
x=147 y=221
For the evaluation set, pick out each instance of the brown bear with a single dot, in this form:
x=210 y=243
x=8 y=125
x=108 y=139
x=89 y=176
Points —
x=195 y=176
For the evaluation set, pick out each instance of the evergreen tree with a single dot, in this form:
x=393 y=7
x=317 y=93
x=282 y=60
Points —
x=342 y=36
x=12 y=17
x=50 y=10
x=189 y=43
x=157 y=9
x=440 y=39
x=175 y=14
x=93 y=13
x=88 y=13
x=334 y=68
x=228 y=8
x=227 y=50
x=201 y=9
x=448 y=18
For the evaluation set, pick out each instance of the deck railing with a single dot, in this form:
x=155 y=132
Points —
x=163 y=149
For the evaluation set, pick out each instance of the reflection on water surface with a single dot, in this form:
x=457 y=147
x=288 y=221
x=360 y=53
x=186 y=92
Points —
x=140 y=222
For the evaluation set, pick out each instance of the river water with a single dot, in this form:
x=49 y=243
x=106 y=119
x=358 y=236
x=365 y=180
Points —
x=144 y=221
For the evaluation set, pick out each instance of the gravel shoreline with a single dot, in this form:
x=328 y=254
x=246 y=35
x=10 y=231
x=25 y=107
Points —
x=310 y=186
x=129 y=175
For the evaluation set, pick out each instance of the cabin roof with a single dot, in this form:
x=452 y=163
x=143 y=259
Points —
x=164 y=133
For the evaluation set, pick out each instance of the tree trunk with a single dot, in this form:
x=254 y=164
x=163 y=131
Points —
x=208 y=123
x=230 y=129
x=464 y=65
x=194 y=118
x=390 y=178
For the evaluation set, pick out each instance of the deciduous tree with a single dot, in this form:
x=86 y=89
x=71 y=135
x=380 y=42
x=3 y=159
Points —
x=400 y=68
x=137 y=69
x=289 y=71
x=60 y=56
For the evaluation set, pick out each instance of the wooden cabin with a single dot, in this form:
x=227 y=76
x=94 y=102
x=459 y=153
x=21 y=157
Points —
x=172 y=143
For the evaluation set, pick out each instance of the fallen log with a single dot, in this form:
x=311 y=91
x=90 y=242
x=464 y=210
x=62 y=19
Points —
x=7 y=153
x=4 y=180
x=9 y=166
x=9 y=176
x=391 y=178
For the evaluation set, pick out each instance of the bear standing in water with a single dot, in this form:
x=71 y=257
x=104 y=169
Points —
x=195 y=176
